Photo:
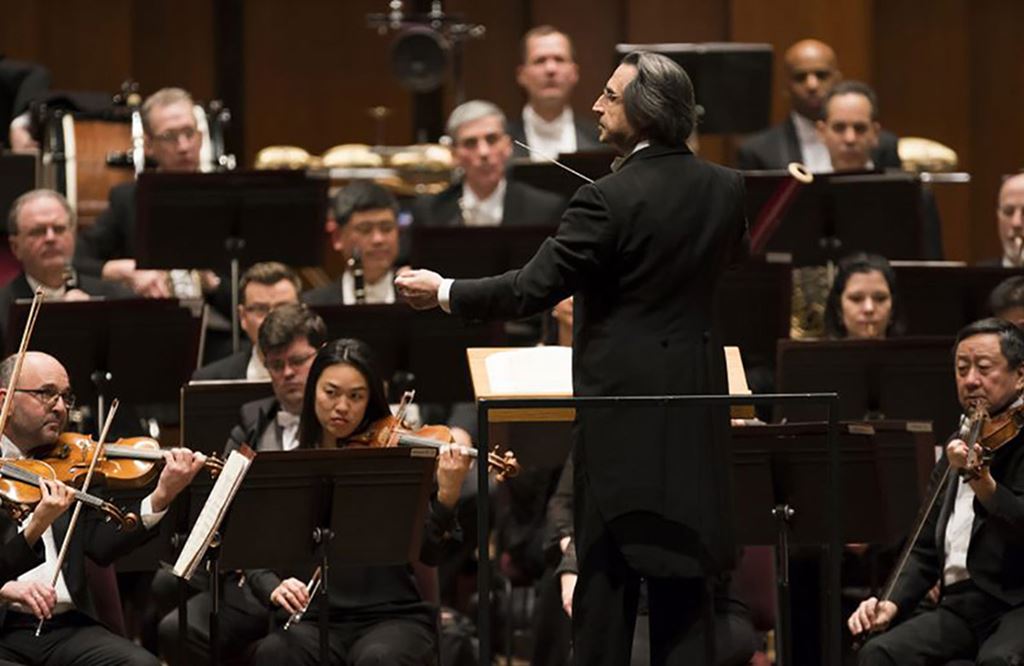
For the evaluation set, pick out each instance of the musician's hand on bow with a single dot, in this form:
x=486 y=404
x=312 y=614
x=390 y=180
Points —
x=291 y=594
x=418 y=288
x=180 y=467
x=872 y=614
x=38 y=598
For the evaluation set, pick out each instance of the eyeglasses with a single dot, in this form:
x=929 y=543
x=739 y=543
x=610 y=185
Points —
x=48 y=396
x=172 y=136
x=277 y=365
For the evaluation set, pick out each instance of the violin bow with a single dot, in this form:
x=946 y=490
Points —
x=26 y=335
x=97 y=452
x=551 y=159
x=403 y=407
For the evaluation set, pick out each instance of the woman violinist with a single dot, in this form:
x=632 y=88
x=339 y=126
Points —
x=375 y=611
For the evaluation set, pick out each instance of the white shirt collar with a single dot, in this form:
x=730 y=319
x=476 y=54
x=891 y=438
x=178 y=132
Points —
x=487 y=212
x=813 y=150
x=49 y=293
x=381 y=291
x=549 y=138
x=9 y=449
x=256 y=371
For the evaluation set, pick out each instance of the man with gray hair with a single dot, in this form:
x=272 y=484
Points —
x=41 y=232
x=641 y=250
x=485 y=197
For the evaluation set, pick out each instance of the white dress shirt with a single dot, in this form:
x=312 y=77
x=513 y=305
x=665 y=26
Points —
x=813 y=151
x=256 y=371
x=486 y=212
x=49 y=293
x=381 y=291
x=549 y=138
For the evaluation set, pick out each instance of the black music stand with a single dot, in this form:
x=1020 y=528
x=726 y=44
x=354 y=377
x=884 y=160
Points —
x=100 y=344
x=430 y=345
x=732 y=82
x=230 y=219
x=901 y=378
x=940 y=299
x=355 y=507
x=593 y=164
x=841 y=213
x=752 y=308
x=209 y=410
x=17 y=176
x=469 y=252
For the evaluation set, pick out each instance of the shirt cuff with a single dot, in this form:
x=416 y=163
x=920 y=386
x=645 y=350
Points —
x=444 y=295
x=147 y=515
x=21 y=122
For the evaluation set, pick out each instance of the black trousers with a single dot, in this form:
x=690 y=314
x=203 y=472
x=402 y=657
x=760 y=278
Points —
x=241 y=621
x=386 y=642
x=967 y=624
x=69 y=639
x=604 y=608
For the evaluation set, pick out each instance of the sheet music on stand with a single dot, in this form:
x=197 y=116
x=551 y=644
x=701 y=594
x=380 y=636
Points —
x=213 y=512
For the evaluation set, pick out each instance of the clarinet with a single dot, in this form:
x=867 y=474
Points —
x=355 y=264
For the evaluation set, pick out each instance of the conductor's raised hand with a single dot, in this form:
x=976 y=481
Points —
x=872 y=614
x=418 y=288
x=180 y=467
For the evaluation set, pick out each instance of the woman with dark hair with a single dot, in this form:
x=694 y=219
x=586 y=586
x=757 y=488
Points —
x=862 y=303
x=377 y=614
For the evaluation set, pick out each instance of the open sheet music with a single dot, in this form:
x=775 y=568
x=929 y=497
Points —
x=531 y=371
x=209 y=520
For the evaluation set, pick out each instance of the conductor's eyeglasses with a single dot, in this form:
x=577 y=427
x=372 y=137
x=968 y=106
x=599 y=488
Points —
x=48 y=396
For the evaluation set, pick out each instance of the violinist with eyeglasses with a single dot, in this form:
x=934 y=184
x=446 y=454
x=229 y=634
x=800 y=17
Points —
x=72 y=632
x=971 y=540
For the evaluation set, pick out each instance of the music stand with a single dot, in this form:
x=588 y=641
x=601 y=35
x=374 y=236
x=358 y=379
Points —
x=732 y=82
x=429 y=345
x=209 y=410
x=552 y=178
x=752 y=308
x=841 y=213
x=17 y=176
x=940 y=299
x=100 y=343
x=900 y=378
x=233 y=218
x=348 y=507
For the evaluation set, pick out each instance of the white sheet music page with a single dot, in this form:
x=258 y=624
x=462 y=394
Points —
x=208 y=522
x=531 y=371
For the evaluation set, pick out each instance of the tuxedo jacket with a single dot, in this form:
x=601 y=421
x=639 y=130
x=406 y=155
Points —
x=94 y=538
x=996 y=548
x=524 y=206
x=776 y=147
x=229 y=367
x=642 y=250
x=586 y=135
x=113 y=234
x=19 y=288
x=253 y=419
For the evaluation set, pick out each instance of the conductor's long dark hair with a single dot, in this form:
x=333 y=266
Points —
x=358 y=355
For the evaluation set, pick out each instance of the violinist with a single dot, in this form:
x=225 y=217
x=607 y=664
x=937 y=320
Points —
x=364 y=230
x=377 y=613
x=288 y=340
x=41 y=232
x=972 y=540
x=72 y=633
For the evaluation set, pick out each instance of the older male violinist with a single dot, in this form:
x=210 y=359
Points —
x=972 y=541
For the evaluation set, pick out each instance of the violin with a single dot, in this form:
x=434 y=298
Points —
x=20 y=492
x=992 y=433
x=126 y=463
x=393 y=431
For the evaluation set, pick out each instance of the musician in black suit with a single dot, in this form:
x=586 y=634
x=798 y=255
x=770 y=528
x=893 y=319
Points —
x=262 y=287
x=1010 y=223
x=642 y=250
x=548 y=75
x=811 y=71
x=485 y=197
x=72 y=633
x=971 y=540
x=288 y=340
x=41 y=232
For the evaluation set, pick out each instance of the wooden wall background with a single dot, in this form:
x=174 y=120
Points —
x=309 y=69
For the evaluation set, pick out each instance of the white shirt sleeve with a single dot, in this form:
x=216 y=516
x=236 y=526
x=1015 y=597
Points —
x=147 y=515
x=444 y=295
